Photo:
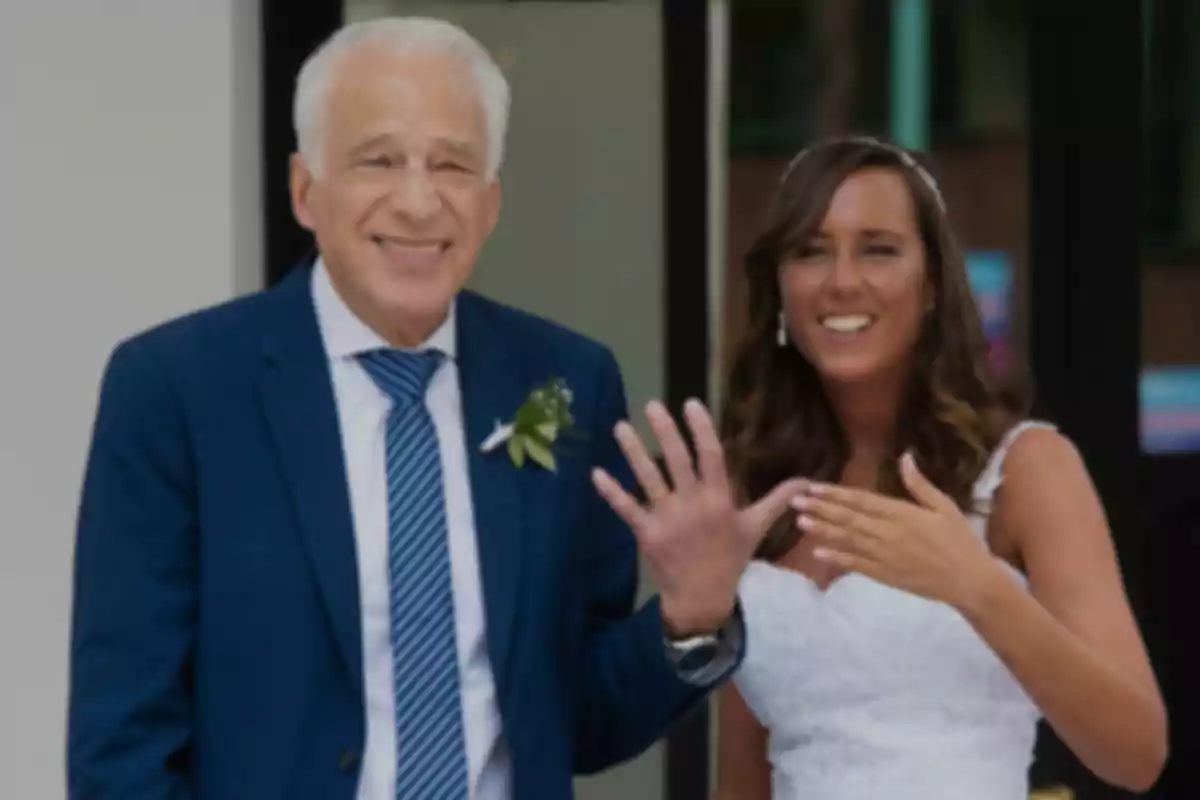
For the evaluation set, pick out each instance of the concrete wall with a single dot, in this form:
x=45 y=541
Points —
x=129 y=155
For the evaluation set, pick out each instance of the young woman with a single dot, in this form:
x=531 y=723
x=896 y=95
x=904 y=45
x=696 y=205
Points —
x=949 y=577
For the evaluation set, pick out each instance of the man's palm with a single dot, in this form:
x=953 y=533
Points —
x=695 y=540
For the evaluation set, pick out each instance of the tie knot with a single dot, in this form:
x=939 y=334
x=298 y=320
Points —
x=402 y=375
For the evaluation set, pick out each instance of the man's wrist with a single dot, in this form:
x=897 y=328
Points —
x=705 y=659
x=678 y=625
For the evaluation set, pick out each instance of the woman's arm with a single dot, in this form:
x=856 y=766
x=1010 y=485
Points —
x=743 y=772
x=1072 y=642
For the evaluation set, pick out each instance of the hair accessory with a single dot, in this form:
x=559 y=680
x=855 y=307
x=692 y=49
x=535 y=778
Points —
x=900 y=153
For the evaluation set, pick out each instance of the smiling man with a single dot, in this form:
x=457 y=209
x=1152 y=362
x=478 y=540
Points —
x=299 y=574
x=396 y=174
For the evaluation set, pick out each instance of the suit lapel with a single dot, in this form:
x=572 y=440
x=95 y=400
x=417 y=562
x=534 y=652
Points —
x=492 y=390
x=301 y=411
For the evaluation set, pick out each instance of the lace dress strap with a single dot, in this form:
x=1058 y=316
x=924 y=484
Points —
x=993 y=473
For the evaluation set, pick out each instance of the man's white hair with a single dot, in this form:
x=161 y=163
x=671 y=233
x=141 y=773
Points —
x=401 y=35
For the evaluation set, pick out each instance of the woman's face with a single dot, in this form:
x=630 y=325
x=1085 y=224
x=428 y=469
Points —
x=854 y=295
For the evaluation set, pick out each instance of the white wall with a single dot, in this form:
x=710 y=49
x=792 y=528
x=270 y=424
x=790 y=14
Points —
x=128 y=194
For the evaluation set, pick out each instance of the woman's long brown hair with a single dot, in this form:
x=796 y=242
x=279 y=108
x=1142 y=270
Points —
x=777 y=421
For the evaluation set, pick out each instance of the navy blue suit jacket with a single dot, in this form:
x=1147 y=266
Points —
x=216 y=646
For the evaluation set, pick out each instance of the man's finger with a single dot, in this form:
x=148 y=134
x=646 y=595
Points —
x=709 y=453
x=674 y=450
x=648 y=475
x=623 y=503
x=772 y=506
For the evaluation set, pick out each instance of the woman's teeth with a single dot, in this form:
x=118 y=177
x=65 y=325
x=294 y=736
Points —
x=848 y=323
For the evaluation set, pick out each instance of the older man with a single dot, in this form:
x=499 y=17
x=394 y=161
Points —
x=310 y=564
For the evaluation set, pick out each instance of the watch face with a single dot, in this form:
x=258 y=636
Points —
x=698 y=657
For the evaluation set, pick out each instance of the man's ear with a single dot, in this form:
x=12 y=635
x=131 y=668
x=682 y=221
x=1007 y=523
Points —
x=494 y=201
x=301 y=181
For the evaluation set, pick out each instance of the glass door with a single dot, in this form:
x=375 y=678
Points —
x=1169 y=232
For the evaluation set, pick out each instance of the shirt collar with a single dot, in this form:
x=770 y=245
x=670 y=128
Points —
x=347 y=336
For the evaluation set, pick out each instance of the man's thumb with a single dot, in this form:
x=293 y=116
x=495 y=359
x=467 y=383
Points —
x=770 y=507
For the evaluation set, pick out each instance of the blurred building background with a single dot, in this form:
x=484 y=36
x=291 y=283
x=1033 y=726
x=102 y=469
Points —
x=144 y=162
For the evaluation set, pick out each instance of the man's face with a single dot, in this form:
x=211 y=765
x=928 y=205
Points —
x=401 y=203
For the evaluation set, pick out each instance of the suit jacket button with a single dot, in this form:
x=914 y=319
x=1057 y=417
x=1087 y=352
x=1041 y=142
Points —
x=348 y=760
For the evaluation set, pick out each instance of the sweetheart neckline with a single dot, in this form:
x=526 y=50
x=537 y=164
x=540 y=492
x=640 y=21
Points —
x=824 y=591
x=804 y=577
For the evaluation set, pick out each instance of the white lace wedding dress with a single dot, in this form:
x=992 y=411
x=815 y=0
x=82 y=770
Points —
x=870 y=693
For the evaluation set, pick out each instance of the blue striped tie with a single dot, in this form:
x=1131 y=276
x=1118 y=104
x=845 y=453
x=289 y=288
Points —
x=431 y=761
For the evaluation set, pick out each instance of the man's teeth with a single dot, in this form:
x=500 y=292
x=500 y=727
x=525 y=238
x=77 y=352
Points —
x=430 y=248
x=847 y=323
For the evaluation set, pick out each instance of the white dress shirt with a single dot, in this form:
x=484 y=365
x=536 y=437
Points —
x=362 y=412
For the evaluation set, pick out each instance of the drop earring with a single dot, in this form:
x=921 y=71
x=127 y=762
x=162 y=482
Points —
x=781 y=334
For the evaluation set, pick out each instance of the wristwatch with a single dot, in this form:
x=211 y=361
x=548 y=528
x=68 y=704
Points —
x=706 y=658
x=694 y=652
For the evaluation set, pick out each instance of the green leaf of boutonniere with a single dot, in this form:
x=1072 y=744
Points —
x=539 y=423
x=540 y=453
x=515 y=451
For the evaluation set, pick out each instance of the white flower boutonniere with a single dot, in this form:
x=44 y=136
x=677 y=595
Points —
x=542 y=419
